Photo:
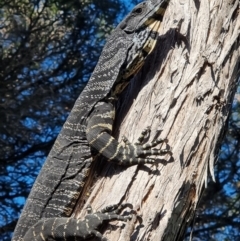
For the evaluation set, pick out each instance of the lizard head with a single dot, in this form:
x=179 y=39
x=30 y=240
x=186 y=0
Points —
x=143 y=15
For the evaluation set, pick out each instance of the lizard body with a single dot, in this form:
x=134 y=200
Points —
x=89 y=125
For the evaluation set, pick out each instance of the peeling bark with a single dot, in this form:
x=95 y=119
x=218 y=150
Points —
x=184 y=93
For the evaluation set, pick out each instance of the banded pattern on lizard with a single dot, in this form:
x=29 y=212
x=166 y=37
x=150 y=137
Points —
x=74 y=229
x=89 y=125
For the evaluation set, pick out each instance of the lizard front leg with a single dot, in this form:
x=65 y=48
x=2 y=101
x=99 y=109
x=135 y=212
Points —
x=99 y=130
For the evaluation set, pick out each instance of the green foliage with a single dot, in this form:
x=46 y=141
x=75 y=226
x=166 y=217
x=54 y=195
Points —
x=48 y=51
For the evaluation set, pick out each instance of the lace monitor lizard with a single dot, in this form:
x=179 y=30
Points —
x=89 y=127
x=70 y=228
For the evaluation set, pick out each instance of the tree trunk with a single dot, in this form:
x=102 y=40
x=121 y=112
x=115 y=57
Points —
x=184 y=93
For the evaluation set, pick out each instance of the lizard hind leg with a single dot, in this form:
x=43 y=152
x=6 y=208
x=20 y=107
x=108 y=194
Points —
x=75 y=229
x=94 y=220
x=116 y=208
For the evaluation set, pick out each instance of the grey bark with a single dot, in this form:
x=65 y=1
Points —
x=184 y=93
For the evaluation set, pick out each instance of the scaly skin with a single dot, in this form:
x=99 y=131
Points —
x=89 y=125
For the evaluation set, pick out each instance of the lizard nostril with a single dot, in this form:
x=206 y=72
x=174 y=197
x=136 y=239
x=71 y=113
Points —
x=138 y=10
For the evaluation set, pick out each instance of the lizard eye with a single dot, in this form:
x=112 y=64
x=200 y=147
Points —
x=138 y=10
